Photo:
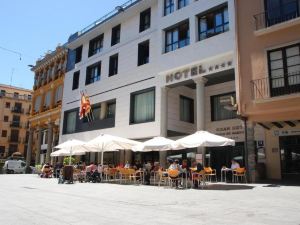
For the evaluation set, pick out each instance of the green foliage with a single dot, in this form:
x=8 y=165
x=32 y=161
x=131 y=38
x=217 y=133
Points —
x=67 y=160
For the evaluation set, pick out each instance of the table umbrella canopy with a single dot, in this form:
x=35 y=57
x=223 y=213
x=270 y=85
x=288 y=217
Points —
x=203 y=139
x=70 y=144
x=107 y=143
x=155 y=144
x=67 y=152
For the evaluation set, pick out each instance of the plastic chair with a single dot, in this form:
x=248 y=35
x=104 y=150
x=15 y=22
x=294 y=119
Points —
x=200 y=178
x=173 y=177
x=162 y=177
x=209 y=172
x=239 y=173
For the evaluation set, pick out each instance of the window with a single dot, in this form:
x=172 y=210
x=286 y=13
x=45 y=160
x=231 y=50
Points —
x=145 y=20
x=93 y=73
x=177 y=37
x=78 y=54
x=219 y=107
x=111 y=110
x=37 y=104
x=284 y=70
x=113 y=65
x=16 y=121
x=213 y=23
x=186 y=109
x=29 y=97
x=14 y=135
x=47 y=101
x=168 y=7
x=115 y=35
x=96 y=45
x=2 y=149
x=7 y=105
x=58 y=94
x=70 y=122
x=16 y=95
x=6 y=118
x=76 y=80
x=142 y=106
x=4 y=133
x=2 y=93
x=143 y=53
x=182 y=3
x=278 y=11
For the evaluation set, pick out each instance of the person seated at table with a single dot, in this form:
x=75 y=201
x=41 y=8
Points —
x=127 y=165
x=46 y=171
x=234 y=164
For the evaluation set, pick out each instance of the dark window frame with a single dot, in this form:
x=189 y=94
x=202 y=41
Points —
x=286 y=88
x=76 y=78
x=113 y=65
x=131 y=114
x=93 y=45
x=143 y=54
x=116 y=35
x=143 y=23
x=4 y=133
x=7 y=105
x=202 y=35
x=169 y=47
x=92 y=79
x=192 y=109
x=78 y=54
x=212 y=111
x=169 y=7
x=182 y=3
x=108 y=115
x=6 y=118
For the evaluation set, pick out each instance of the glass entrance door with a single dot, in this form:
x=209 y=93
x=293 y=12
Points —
x=290 y=157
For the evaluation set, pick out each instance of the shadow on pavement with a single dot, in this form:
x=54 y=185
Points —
x=227 y=187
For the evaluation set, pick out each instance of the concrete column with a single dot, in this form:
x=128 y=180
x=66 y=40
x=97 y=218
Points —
x=128 y=156
x=103 y=110
x=49 y=142
x=29 y=147
x=200 y=110
x=163 y=123
x=92 y=157
x=250 y=152
x=38 y=146
x=193 y=29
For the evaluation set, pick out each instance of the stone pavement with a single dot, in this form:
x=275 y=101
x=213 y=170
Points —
x=29 y=200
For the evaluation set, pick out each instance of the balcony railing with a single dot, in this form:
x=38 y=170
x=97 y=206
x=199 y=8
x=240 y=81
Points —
x=14 y=139
x=17 y=110
x=16 y=124
x=19 y=97
x=271 y=87
x=277 y=15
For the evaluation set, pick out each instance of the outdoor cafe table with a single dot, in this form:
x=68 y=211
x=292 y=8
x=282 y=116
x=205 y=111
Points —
x=224 y=171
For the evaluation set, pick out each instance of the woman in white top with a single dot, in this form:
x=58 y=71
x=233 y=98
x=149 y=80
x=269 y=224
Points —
x=234 y=164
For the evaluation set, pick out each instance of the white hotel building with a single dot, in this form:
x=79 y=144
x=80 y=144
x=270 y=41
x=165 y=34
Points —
x=156 y=68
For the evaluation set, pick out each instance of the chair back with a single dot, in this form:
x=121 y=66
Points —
x=173 y=173
x=208 y=170
x=240 y=170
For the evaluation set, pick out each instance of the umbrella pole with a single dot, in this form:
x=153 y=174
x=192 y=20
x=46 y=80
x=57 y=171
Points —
x=102 y=153
x=70 y=157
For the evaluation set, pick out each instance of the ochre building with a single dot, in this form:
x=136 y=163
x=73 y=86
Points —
x=269 y=81
x=15 y=106
x=47 y=98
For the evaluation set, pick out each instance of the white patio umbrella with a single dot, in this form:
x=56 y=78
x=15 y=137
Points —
x=108 y=143
x=65 y=152
x=155 y=144
x=203 y=139
x=72 y=146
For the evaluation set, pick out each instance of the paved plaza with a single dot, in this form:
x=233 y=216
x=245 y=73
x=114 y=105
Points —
x=29 y=200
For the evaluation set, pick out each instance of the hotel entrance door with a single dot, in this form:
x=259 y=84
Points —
x=290 y=157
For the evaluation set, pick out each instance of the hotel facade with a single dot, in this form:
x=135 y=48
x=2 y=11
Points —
x=269 y=80
x=158 y=68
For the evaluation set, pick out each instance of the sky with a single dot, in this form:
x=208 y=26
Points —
x=32 y=27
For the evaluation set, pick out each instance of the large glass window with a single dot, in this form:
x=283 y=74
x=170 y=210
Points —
x=284 y=70
x=186 y=109
x=93 y=73
x=111 y=110
x=213 y=23
x=145 y=20
x=113 y=65
x=71 y=122
x=168 y=7
x=142 y=106
x=182 y=3
x=78 y=54
x=116 y=35
x=47 y=101
x=221 y=107
x=96 y=45
x=177 y=37
x=76 y=76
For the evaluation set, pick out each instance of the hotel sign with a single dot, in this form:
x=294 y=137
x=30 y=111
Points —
x=194 y=71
